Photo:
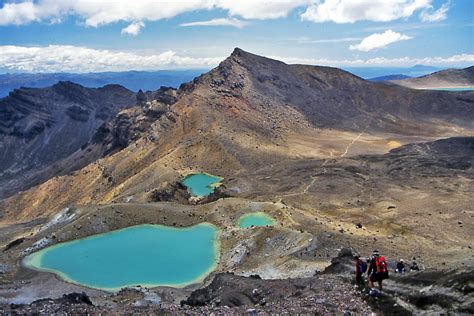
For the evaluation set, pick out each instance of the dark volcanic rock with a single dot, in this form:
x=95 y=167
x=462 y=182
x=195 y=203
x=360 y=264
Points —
x=171 y=192
x=454 y=146
x=430 y=292
x=343 y=263
x=135 y=122
x=218 y=193
x=166 y=95
x=14 y=243
x=78 y=113
x=177 y=192
x=332 y=98
x=315 y=295
x=443 y=158
x=77 y=298
x=141 y=97
x=39 y=127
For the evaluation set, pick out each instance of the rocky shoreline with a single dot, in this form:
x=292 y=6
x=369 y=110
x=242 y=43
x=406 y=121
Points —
x=330 y=292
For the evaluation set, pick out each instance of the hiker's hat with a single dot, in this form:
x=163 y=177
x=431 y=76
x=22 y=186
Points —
x=375 y=253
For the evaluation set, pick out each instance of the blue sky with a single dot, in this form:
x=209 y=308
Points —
x=81 y=35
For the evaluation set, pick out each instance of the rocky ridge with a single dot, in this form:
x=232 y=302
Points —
x=41 y=127
x=455 y=78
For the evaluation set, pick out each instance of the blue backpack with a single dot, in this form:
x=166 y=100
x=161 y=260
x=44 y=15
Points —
x=363 y=266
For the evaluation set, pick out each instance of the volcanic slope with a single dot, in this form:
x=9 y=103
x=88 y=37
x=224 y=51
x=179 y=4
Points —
x=336 y=160
x=288 y=136
x=249 y=113
x=450 y=78
x=40 y=127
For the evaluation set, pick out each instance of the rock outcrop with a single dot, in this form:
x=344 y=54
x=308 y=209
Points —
x=41 y=127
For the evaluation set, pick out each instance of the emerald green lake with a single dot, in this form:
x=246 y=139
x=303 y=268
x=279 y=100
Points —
x=257 y=219
x=146 y=255
x=201 y=184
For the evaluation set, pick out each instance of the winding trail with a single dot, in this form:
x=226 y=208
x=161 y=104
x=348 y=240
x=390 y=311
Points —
x=353 y=141
x=314 y=177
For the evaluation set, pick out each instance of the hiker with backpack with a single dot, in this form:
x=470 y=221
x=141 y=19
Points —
x=361 y=268
x=400 y=267
x=414 y=265
x=378 y=270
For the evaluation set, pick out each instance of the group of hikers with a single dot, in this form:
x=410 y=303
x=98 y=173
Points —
x=377 y=269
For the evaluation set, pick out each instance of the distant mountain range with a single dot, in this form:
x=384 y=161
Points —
x=390 y=77
x=132 y=80
x=153 y=80
x=454 y=78
x=374 y=72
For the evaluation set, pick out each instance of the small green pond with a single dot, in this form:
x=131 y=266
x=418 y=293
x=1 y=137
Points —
x=257 y=219
x=146 y=255
x=201 y=184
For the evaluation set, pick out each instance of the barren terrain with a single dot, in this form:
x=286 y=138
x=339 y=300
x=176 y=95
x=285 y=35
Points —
x=339 y=162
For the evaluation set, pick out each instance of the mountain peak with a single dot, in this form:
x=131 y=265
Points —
x=237 y=52
x=242 y=55
x=66 y=85
x=250 y=60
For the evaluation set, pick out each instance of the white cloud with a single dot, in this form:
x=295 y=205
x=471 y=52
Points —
x=63 y=58
x=438 y=15
x=461 y=60
x=218 y=22
x=379 y=40
x=18 y=13
x=350 y=11
x=133 y=29
x=97 y=13
x=261 y=9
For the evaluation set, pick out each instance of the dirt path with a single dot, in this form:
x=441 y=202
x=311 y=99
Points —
x=354 y=140
x=314 y=177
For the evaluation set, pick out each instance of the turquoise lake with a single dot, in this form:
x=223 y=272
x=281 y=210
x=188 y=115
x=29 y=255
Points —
x=146 y=255
x=257 y=219
x=201 y=184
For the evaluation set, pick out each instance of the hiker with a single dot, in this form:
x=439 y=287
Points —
x=400 y=267
x=378 y=270
x=361 y=267
x=414 y=266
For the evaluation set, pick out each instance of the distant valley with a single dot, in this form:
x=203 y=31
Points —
x=132 y=80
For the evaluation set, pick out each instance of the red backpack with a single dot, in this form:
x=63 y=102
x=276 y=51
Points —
x=381 y=265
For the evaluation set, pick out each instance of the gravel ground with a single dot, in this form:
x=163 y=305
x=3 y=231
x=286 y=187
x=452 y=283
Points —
x=228 y=294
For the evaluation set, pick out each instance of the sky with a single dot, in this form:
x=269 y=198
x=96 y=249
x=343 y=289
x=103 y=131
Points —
x=120 y=35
